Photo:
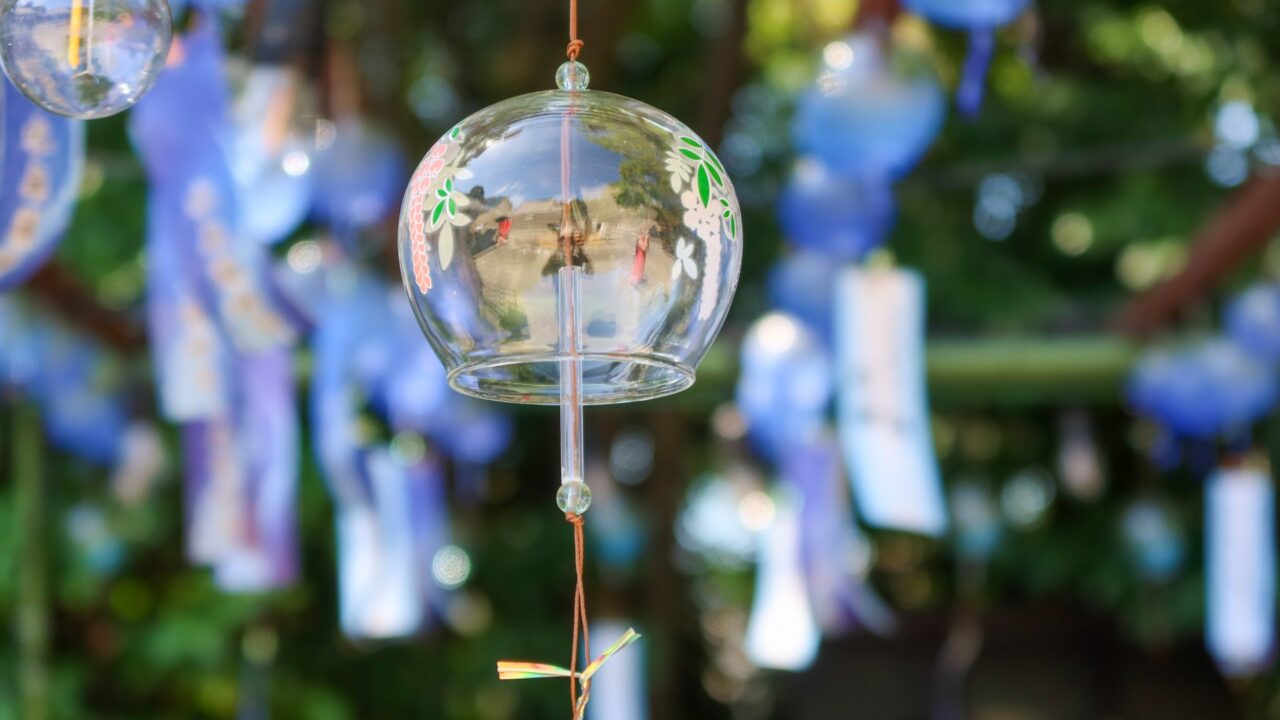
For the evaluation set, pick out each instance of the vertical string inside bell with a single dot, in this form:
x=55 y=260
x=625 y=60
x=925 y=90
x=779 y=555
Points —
x=574 y=497
x=73 y=34
x=569 y=311
x=569 y=315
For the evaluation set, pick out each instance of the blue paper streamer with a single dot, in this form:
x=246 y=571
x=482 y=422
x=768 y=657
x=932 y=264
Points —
x=43 y=156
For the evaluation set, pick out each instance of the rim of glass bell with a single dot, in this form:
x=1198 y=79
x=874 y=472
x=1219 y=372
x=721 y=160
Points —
x=608 y=378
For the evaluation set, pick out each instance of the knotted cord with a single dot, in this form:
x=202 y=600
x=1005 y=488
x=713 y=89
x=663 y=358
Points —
x=579 y=621
x=575 y=42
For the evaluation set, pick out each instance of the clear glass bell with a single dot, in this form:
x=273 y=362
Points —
x=645 y=212
x=84 y=58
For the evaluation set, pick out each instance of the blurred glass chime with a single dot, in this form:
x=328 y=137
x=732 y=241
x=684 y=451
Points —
x=873 y=112
x=84 y=58
x=981 y=18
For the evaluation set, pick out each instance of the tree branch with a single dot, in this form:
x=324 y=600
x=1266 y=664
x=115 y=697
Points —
x=61 y=291
x=1238 y=231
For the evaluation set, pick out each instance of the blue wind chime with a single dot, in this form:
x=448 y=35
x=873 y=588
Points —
x=1206 y=396
x=871 y=114
x=225 y=321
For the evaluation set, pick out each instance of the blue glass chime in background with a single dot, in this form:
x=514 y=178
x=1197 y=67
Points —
x=802 y=285
x=785 y=384
x=839 y=217
x=978 y=526
x=1208 y=390
x=1252 y=321
x=981 y=18
x=872 y=113
x=870 y=116
x=619 y=533
x=1154 y=539
x=360 y=177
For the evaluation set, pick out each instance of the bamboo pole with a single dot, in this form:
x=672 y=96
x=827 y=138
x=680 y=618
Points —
x=32 y=615
x=1032 y=371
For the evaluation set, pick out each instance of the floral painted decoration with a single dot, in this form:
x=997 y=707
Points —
x=709 y=213
x=434 y=181
x=684 y=264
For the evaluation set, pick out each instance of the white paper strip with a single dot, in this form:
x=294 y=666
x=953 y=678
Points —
x=379 y=573
x=619 y=690
x=1240 y=562
x=883 y=405
x=782 y=632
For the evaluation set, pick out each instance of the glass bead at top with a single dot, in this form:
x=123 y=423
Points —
x=652 y=221
x=84 y=58
x=573 y=497
x=573 y=75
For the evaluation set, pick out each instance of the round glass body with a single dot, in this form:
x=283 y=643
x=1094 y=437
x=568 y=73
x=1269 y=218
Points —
x=840 y=217
x=968 y=14
x=645 y=211
x=84 y=58
x=874 y=112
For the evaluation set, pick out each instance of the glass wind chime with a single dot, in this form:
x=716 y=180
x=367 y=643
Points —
x=571 y=247
x=112 y=54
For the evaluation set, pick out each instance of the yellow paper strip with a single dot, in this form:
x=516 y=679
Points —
x=73 y=34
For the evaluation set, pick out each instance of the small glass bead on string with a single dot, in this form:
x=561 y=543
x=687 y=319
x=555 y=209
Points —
x=573 y=75
x=574 y=497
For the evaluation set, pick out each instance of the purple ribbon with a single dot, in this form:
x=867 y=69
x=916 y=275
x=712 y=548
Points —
x=241 y=481
x=829 y=540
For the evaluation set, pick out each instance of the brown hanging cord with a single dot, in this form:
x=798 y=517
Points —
x=575 y=43
x=571 y=237
x=579 y=621
x=566 y=220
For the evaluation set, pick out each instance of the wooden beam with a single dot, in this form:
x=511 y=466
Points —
x=56 y=288
x=881 y=12
x=1237 y=232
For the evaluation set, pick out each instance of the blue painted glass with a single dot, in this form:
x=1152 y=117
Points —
x=874 y=115
x=1253 y=321
x=838 y=217
x=785 y=386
